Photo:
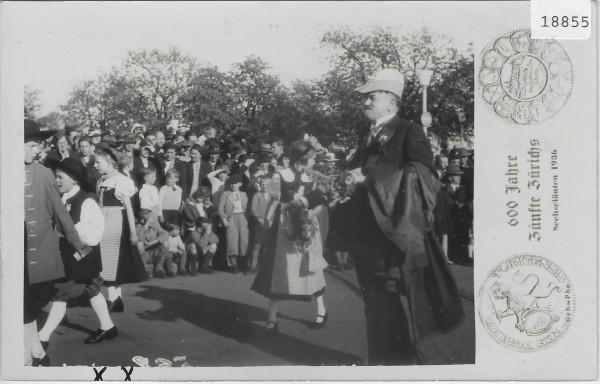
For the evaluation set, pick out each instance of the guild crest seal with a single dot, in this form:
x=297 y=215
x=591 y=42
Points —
x=526 y=303
x=523 y=80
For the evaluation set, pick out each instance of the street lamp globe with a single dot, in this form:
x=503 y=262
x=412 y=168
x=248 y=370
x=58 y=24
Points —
x=424 y=77
x=426 y=119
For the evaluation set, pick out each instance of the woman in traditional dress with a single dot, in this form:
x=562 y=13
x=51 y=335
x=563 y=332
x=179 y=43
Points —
x=121 y=261
x=291 y=265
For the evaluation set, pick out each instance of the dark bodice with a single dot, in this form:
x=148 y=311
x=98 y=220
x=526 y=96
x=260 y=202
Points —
x=288 y=189
x=107 y=198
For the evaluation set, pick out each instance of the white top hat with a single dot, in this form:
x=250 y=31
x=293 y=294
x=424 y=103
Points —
x=388 y=80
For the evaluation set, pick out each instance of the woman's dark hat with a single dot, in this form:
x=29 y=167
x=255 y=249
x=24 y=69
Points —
x=184 y=144
x=75 y=169
x=265 y=148
x=458 y=153
x=453 y=169
x=235 y=179
x=125 y=137
x=33 y=132
x=211 y=148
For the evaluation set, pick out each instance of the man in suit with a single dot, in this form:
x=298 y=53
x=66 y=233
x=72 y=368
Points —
x=196 y=171
x=86 y=153
x=147 y=158
x=407 y=288
x=172 y=162
x=212 y=155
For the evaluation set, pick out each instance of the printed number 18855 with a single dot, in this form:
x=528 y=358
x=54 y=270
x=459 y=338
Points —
x=565 y=22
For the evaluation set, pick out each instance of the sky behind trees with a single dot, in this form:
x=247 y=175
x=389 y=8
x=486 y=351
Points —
x=65 y=43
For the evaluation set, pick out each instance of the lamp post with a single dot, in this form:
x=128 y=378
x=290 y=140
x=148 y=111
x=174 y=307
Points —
x=424 y=79
x=460 y=114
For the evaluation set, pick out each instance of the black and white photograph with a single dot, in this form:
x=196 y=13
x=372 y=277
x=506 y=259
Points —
x=242 y=185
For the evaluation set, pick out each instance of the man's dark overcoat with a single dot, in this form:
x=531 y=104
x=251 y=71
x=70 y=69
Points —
x=396 y=251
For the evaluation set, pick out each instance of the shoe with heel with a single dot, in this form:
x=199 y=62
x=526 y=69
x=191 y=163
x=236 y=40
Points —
x=320 y=324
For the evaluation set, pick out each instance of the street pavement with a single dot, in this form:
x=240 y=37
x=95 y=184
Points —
x=216 y=320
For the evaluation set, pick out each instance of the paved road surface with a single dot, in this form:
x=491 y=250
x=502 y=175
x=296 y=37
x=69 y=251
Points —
x=216 y=320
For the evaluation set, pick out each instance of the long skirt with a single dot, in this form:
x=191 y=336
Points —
x=121 y=262
x=289 y=270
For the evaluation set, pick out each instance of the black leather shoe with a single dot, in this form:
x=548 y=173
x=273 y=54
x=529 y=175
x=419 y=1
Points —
x=320 y=325
x=116 y=306
x=100 y=335
x=43 y=362
x=45 y=345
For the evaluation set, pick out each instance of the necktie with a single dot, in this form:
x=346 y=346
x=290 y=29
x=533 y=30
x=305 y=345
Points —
x=372 y=133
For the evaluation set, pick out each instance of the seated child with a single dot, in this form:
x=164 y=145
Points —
x=201 y=242
x=176 y=248
x=194 y=207
x=154 y=246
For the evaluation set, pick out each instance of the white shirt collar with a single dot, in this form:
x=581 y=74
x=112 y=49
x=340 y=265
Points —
x=382 y=120
x=67 y=195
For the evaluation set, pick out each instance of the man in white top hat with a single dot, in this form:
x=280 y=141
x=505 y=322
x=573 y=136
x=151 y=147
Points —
x=408 y=290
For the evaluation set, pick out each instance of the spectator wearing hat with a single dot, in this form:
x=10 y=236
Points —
x=82 y=277
x=182 y=148
x=61 y=148
x=397 y=254
x=148 y=158
x=232 y=211
x=444 y=204
x=108 y=138
x=196 y=171
x=126 y=143
x=95 y=135
x=44 y=211
x=138 y=130
x=212 y=152
x=265 y=148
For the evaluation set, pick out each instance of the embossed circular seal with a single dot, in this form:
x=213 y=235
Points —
x=523 y=80
x=526 y=303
